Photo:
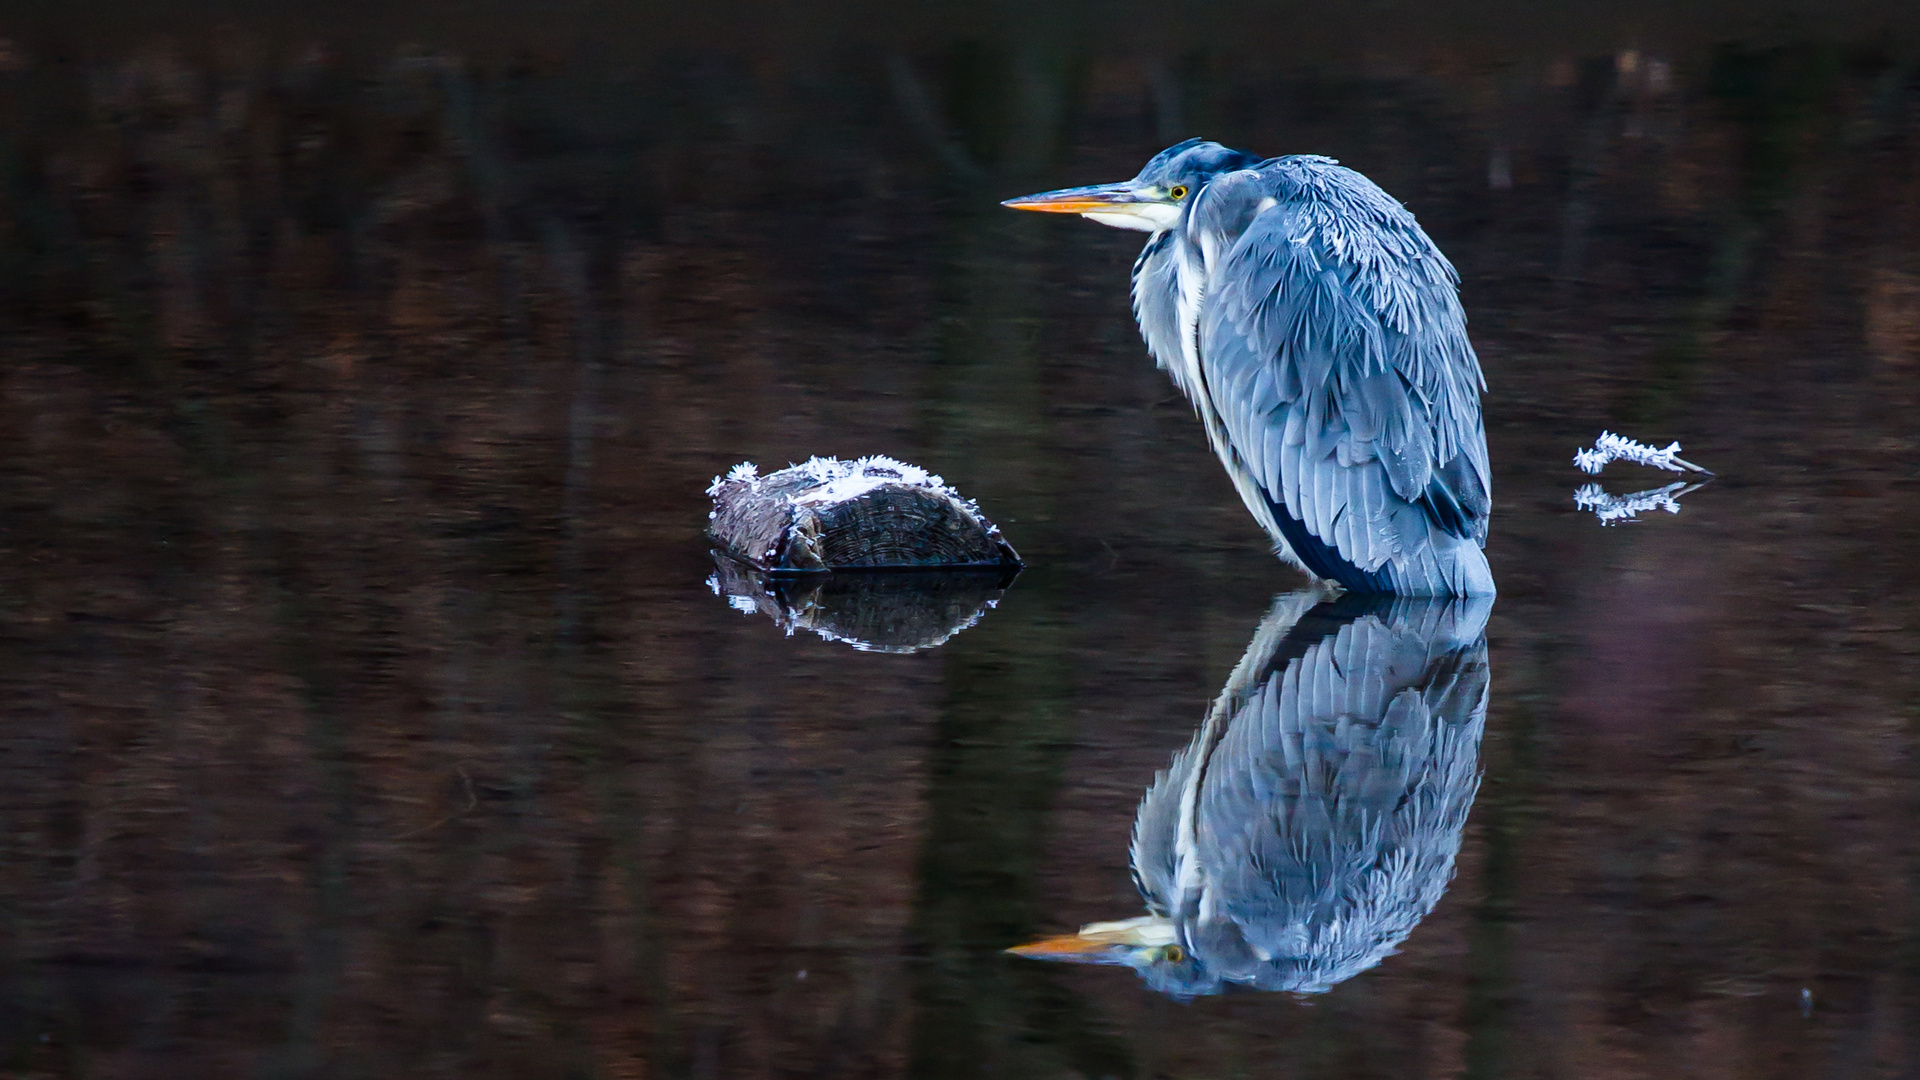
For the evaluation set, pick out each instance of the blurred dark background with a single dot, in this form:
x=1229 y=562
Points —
x=366 y=712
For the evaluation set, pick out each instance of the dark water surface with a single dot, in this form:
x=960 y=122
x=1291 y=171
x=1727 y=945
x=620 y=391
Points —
x=367 y=711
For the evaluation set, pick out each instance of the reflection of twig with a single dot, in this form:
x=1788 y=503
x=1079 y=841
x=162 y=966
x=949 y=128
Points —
x=1613 y=509
x=1610 y=447
x=473 y=800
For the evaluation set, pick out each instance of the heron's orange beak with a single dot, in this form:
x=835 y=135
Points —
x=1075 y=949
x=1081 y=200
x=1102 y=943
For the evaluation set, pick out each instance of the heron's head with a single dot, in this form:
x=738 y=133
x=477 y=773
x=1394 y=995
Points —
x=1150 y=945
x=1151 y=201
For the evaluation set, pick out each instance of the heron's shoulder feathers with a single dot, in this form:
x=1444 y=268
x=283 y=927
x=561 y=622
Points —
x=1319 y=333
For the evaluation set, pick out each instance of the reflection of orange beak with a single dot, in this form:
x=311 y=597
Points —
x=1075 y=949
x=1079 y=200
x=1103 y=942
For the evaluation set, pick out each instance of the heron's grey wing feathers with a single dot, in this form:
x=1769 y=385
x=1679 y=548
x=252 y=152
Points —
x=1331 y=808
x=1333 y=346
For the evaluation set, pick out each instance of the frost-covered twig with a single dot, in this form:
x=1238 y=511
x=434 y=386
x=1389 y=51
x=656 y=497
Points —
x=1610 y=447
x=1613 y=509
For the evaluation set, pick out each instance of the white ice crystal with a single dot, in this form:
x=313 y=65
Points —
x=745 y=471
x=843 y=480
x=1610 y=447
x=839 y=480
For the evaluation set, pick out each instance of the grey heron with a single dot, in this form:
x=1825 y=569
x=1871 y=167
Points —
x=1314 y=819
x=1318 y=333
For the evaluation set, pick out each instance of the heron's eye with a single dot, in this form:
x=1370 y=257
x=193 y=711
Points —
x=1175 y=953
x=1178 y=191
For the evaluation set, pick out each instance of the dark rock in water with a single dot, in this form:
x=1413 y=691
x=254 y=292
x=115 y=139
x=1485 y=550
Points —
x=894 y=613
x=871 y=514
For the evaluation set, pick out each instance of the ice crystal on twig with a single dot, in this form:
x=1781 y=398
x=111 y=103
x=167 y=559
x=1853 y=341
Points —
x=1614 y=509
x=1610 y=447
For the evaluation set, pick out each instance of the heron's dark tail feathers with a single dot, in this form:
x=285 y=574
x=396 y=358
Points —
x=1444 y=509
x=1322 y=559
x=1447 y=564
x=1456 y=501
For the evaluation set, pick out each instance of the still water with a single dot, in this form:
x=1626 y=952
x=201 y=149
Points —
x=370 y=711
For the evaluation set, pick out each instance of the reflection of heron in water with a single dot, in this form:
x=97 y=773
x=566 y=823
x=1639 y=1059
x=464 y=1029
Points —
x=1318 y=333
x=1314 y=819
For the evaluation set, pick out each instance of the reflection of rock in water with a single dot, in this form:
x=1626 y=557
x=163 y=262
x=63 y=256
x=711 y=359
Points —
x=874 y=611
x=1315 y=817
